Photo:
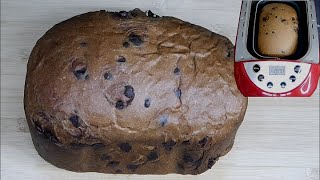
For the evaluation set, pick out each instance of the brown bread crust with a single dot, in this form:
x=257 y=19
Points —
x=129 y=93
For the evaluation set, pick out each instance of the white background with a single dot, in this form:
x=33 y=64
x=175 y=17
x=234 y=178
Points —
x=278 y=140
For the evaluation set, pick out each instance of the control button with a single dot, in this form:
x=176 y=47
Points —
x=256 y=68
x=292 y=78
x=297 y=69
x=261 y=77
x=270 y=85
x=283 y=85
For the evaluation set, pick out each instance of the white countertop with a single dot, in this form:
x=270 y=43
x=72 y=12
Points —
x=278 y=140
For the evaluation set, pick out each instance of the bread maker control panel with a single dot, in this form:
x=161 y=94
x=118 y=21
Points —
x=294 y=75
x=277 y=77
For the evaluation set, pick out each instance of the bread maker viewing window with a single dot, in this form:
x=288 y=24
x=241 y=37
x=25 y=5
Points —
x=303 y=34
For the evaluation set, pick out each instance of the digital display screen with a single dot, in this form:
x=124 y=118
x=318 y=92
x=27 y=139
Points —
x=277 y=70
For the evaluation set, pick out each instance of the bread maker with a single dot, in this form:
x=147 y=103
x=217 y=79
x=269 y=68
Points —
x=296 y=75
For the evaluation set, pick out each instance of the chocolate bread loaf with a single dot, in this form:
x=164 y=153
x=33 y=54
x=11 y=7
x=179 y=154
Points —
x=132 y=92
x=278 y=30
